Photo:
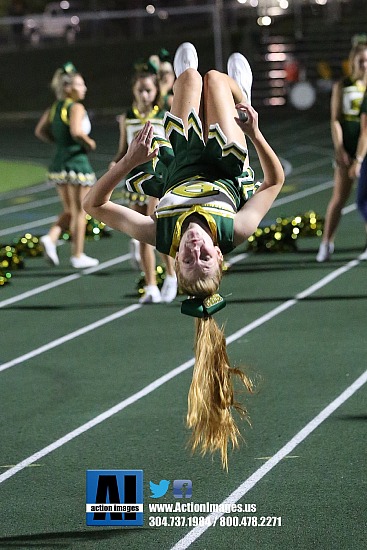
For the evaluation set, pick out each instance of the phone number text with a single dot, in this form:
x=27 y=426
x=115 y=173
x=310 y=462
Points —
x=208 y=521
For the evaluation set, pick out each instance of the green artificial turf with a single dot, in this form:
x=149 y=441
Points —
x=16 y=175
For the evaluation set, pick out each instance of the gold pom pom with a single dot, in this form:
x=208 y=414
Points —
x=5 y=277
x=95 y=230
x=282 y=235
x=29 y=245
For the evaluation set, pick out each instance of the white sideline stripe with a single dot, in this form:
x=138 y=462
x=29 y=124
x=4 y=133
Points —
x=28 y=206
x=304 y=193
x=349 y=208
x=24 y=227
x=63 y=280
x=289 y=303
x=68 y=337
x=39 y=290
x=83 y=330
x=250 y=482
x=38 y=188
x=237 y=258
x=156 y=384
x=327 y=279
x=95 y=421
x=304 y=168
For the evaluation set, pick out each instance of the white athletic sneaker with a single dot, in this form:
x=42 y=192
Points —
x=83 y=261
x=135 y=254
x=239 y=69
x=185 y=58
x=151 y=296
x=169 y=288
x=325 y=251
x=50 y=250
x=363 y=256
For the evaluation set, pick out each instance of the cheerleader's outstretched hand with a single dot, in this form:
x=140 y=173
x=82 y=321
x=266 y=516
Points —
x=140 y=149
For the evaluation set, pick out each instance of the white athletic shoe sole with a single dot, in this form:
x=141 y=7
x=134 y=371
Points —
x=50 y=251
x=186 y=57
x=83 y=261
x=152 y=295
x=169 y=289
x=239 y=69
x=325 y=252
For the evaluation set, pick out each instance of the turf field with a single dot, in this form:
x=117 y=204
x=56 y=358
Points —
x=91 y=380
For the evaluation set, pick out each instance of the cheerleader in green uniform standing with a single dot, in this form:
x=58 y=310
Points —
x=67 y=125
x=346 y=99
x=146 y=107
x=209 y=204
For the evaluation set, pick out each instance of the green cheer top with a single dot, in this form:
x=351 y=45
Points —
x=214 y=201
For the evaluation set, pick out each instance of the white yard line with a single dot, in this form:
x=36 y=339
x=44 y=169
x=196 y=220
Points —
x=27 y=226
x=38 y=188
x=71 y=336
x=257 y=476
x=160 y=381
x=63 y=280
x=28 y=206
x=304 y=193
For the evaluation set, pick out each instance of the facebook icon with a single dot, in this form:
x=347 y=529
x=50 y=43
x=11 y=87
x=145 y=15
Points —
x=182 y=488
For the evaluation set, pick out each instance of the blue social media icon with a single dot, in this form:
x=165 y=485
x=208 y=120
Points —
x=182 y=488
x=114 y=497
x=159 y=489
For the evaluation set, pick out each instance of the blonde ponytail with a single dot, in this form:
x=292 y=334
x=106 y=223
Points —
x=211 y=395
x=211 y=399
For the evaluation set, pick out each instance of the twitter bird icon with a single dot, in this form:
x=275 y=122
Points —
x=159 y=489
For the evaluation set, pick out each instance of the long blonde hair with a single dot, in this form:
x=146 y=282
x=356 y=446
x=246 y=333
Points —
x=211 y=397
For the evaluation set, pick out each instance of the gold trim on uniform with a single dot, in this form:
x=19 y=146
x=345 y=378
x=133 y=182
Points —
x=174 y=125
x=177 y=188
x=195 y=123
x=178 y=227
x=72 y=177
x=209 y=207
x=145 y=118
x=137 y=185
x=216 y=132
x=64 y=111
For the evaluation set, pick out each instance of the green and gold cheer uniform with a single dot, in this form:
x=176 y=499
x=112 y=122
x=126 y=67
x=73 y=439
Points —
x=352 y=97
x=191 y=177
x=134 y=122
x=70 y=163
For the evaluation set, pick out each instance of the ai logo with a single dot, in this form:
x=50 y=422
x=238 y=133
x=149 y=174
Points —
x=114 y=497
